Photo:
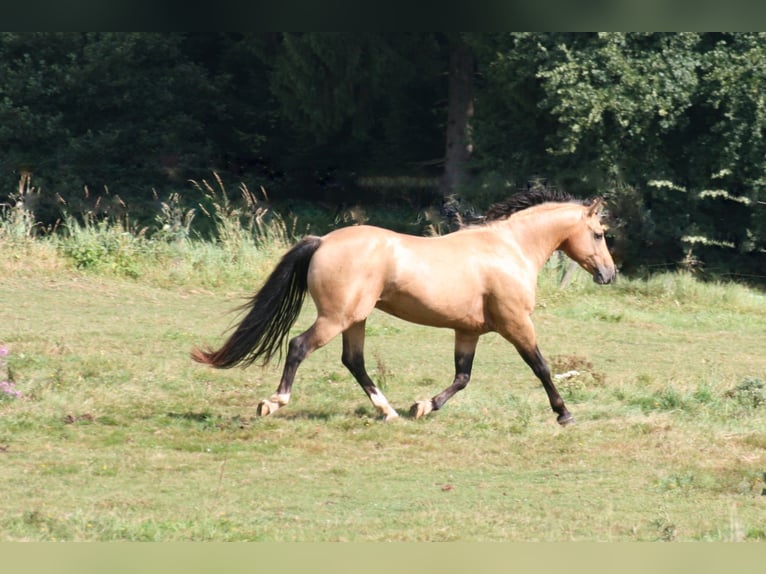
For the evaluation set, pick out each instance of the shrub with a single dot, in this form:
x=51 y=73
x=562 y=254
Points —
x=103 y=245
x=750 y=393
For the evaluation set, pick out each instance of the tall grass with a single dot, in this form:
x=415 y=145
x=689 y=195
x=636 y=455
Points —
x=234 y=238
x=239 y=225
x=21 y=247
x=234 y=242
x=680 y=289
x=17 y=220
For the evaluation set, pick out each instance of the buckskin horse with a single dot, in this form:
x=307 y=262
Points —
x=478 y=279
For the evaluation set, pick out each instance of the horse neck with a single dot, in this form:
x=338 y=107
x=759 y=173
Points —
x=540 y=231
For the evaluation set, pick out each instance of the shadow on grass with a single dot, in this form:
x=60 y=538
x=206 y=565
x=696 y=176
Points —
x=207 y=418
x=210 y=419
x=193 y=417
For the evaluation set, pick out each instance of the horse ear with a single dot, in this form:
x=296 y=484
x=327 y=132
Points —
x=595 y=207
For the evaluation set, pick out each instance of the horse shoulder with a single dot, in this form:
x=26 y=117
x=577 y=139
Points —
x=507 y=275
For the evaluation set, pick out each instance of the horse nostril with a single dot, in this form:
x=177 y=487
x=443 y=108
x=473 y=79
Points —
x=604 y=275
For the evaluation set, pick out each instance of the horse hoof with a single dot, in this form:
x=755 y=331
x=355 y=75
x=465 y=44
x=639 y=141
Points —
x=265 y=408
x=392 y=416
x=421 y=409
x=565 y=419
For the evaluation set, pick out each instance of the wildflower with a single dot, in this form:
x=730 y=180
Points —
x=9 y=389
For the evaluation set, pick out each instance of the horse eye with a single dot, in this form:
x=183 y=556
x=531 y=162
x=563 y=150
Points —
x=598 y=236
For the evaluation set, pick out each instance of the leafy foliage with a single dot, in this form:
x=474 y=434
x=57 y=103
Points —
x=670 y=126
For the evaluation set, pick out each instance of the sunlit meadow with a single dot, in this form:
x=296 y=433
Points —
x=108 y=431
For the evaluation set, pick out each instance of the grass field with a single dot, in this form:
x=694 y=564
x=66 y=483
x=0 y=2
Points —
x=118 y=435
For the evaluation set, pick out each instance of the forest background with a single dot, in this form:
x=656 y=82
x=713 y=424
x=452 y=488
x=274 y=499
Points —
x=670 y=127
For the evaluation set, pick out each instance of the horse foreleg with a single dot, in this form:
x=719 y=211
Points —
x=465 y=350
x=521 y=333
x=353 y=359
x=539 y=366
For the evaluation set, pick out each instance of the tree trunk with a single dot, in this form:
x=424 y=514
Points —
x=459 y=113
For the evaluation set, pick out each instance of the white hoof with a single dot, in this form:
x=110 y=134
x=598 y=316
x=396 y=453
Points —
x=392 y=415
x=266 y=407
x=421 y=408
x=271 y=405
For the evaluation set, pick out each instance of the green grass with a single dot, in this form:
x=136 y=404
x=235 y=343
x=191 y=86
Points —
x=120 y=436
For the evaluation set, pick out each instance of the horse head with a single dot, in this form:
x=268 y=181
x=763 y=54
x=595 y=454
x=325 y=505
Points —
x=587 y=245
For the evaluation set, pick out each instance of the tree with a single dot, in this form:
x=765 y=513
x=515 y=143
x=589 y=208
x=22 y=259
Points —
x=125 y=111
x=459 y=114
x=36 y=70
x=139 y=109
x=670 y=125
x=729 y=145
x=359 y=101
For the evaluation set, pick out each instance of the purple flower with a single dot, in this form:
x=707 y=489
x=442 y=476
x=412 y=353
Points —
x=9 y=389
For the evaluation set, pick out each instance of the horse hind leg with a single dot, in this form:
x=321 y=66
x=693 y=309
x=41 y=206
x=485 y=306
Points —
x=353 y=360
x=300 y=347
x=465 y=350
x=297 y=350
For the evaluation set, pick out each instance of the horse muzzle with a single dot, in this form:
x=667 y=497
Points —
x=604 y=275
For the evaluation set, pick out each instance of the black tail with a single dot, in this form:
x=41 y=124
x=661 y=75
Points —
x=272 y=311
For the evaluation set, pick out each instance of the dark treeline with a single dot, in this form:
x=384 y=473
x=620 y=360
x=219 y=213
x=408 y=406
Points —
x=670 y=127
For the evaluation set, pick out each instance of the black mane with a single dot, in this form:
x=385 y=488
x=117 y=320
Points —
x=527 y=199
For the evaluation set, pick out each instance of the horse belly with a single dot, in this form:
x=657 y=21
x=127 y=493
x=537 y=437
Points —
x=436 y=311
